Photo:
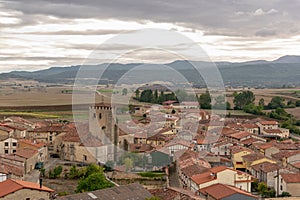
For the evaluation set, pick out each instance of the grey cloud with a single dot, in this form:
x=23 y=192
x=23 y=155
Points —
x=265 y=33
x=75 y=32
x=211 y=16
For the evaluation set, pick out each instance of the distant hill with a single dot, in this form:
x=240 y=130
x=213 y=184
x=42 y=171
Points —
x=259 y=73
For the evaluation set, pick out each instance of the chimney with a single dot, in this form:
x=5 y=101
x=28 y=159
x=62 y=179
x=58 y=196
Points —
x=41 y=182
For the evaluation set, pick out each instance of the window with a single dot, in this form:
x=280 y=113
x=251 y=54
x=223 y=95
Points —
x=100 y=115
x=84 y=157
x=281 y=187
x=27 y=198
x=14 y=144
x=6 y=151
x=6 y=144
x=14 y=151
x=50 y=138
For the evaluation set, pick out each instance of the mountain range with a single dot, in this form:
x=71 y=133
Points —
x=259 y=73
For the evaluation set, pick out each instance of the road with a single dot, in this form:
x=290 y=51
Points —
x=294 y=136
x=33 y=176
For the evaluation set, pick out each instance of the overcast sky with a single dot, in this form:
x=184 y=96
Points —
x=37 y=34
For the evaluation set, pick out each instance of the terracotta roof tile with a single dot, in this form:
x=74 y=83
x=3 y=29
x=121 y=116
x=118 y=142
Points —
x=268 y=123
x=253 y=157
x=220 y=191
x=266 y=167
x=291 y=178
x=9 y=186
x=240 y=135
x=26 y=153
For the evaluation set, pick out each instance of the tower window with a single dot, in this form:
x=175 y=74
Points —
x=100 y=115
x=94 y=115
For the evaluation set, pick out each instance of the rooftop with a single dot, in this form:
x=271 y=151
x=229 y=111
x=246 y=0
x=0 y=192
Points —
x=10 y=186
x=220 y=191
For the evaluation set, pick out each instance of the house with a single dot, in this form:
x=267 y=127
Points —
x=16 y=189
x=30 y=156
x=225 y=192
x=240 y=136
x=265 y=172
x=271 y=129
x=5 y=131
x=177 y=145
x=237 y=153
x=263 y=125
x=12 y=166
x=47 y=135
x=189 y=105
x=158 y=139
x=279 y=133
x=186 y=173
x=124 y=192
x=8 y=145
x=221 y=148
x=251 y=128
x=38 y=146
x=254 y=159
x=288 y=183
x=224 y=175
x=287 y=157
x=87 y=148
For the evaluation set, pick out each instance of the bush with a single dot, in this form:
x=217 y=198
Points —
x=93 y=182
x=55 y=173
x=284 y=194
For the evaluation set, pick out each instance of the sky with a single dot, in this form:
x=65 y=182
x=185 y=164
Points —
x=38 y=34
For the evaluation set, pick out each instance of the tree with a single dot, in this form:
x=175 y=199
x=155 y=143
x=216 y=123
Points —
x=146 y=96
x=205 y=100
x=262 y=188
x=93 y=182
x=128 y=164
x=261 y=103
x=276 y=102
x=290 y=104
x=252 y=108
x=155 y=97
x=93 y=168
x=124 y=91
x=137 y=94
x=242 y=99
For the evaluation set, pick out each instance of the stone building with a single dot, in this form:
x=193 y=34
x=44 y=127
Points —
x=103 y=126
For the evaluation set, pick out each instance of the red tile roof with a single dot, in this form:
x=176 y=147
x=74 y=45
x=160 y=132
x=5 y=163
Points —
x=220 y=191
x=291 y=178
x=32 y=143
x=274 y=131
x=249 y=126
x=266 y=167
x=268 y=123
x=240 y=135
x=9 y=186
x=237 y=149
x=26 y=153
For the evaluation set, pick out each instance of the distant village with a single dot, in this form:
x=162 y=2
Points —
x=204 y=155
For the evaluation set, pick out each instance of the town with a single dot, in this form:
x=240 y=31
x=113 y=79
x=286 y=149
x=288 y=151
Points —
x=185 y=153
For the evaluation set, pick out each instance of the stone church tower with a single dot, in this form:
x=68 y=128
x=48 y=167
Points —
x=102 y=125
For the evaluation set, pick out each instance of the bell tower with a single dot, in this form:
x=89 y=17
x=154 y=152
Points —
x=102 y=125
